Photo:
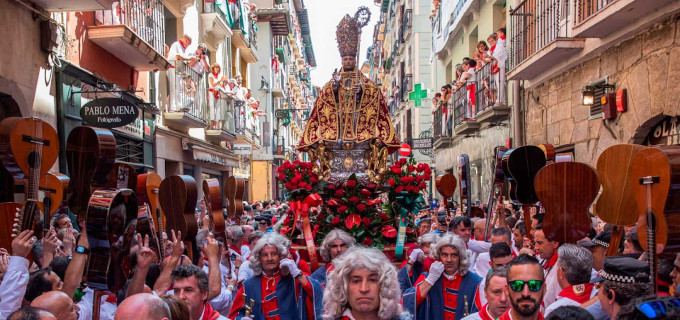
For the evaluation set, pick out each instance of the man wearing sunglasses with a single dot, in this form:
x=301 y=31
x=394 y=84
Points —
x=525 y=288
x=573 y=274
x=448 y=291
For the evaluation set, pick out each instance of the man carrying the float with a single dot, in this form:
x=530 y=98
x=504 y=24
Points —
x=333 y=246
x=278 y=290
x=363 y=286
x=448 y=291
x=415 y=264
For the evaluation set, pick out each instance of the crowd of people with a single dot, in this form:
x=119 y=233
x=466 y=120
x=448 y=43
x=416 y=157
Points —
x=480 y=82
x=251 y=271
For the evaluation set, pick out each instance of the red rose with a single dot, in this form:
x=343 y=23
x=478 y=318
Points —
x=365 y=193
x=332 y=203
x=316 y=228
x=335 y=220
x=383 y=216
x=428 y=170
x=339 y=192
x=411 y=168
x=302 y=184
x=372 y=185
x=404 y=180
x=391 y=182
x=282 y=176
x=366 y=221
x=342 y=209
x=351 y=183
x=409 y=188
x=367 y=242
x=402 y=161
x=353 y=199
x=399 y=189
x=396 y=170
x=420 y=167
x=409 y=230
x=308 y=187
x=330 y=187
x=289 y=185
x=422 y=186
x=361 y=207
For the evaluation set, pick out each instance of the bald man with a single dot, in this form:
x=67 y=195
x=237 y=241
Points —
x=143 y=306
x=57 y=303
x=31 y=313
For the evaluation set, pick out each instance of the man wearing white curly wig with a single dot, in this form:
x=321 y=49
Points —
x=334 y=245
x=278 y=289
x=448 y=291
x=363 y=286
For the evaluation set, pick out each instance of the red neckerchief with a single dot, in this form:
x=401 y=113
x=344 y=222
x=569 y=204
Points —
x=508 y=316
x=238 y=250
x=329 y=267
x=502 y=37
x=550 y=262
x=492 y=48
x=579 y=293
x=484 y=314
x=111 y=299
x=209 y=313
x=181 y=43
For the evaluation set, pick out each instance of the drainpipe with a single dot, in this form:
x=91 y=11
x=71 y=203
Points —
x=518 y=137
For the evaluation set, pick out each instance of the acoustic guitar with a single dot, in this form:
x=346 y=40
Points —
x=655 y=182
x=8 y=214
x=146 y=226
x=446 y=186
x=108 y=213
x=566 y=190
x=178 y=195
x=147 y=190
x=212 y=193
x=520 y=166
x=549 y=151
x=33 y=145
x=234 y=189
x=464 y=180
x=90 y=155
x=616 y=205
x=496 y=187
x=52 y=188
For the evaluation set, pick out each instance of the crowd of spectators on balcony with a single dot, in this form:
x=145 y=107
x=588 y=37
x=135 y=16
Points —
x=479 y=83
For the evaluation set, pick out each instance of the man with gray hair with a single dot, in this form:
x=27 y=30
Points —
x=142 y=306
x=363 y=286
x=497 y=300
x=190 y=284
x=448 y=290
x=573 y=275
x=333 y=246
x=278 y=287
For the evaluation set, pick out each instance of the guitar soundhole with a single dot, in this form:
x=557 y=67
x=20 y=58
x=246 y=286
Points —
x=33 y=159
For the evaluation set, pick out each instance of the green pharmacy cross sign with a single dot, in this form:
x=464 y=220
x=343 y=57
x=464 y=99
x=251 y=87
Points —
x=418 y=94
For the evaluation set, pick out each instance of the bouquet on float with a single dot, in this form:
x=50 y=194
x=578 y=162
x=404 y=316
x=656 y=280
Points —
x=297 y=177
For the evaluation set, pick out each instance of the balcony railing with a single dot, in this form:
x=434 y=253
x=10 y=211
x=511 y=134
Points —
x=405 y=27
x=406 y=87
x=144 y=17
x=586 y=8
x=189 y=92
x=441 y=123
x=535 y=24
x=222 y=8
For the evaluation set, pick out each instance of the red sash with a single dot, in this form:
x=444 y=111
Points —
x=484 y=314
x=508 y=316
x=209 y=313
x=579 y=293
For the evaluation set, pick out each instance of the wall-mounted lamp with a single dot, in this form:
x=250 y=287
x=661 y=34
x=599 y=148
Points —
x=591 y=89
x=588 y=94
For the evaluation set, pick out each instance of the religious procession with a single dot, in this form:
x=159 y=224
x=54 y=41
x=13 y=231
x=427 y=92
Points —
x=451 y=159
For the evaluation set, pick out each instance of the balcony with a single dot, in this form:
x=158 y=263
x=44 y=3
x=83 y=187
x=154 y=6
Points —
x=464 y=109
x=74 y=5
x=441 y=127
x=245 y=36
x=227 y=129
x=599 y=18
x=135 y=34
x=406 y=87
x=490 y=93
x=540 y=38
x=245 y=126
x=405 y=28
x=216 y=20
x=187 y=100
x=279 y=83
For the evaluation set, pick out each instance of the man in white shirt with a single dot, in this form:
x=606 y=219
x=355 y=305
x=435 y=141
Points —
x=13 y=286
x=498 y=302
x=176 y=53
x=239 y=105
x=573 y=275
x=547 y=250
x=483 y=262
x=200 y=62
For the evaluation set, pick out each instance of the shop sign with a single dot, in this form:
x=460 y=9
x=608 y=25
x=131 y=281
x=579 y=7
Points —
x=422 y=143
x=242 y=173
x=207 y=156
x=138 y=128
x=109 y=112
x=665 y=133
x=243 y=148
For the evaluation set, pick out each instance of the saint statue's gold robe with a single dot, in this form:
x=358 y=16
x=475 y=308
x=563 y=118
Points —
x=338 y=116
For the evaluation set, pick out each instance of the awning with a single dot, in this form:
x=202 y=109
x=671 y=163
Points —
x=203 y=154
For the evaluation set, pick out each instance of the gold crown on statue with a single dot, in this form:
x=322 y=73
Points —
x=347 y=36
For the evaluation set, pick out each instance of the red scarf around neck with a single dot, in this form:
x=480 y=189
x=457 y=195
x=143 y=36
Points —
x=579 y=293
x=209 y=313
x=550 y=262
x=508 y=316
x=484 y=314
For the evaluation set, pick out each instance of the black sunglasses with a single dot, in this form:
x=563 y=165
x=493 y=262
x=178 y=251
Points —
x=518 y=285
x=657 y=308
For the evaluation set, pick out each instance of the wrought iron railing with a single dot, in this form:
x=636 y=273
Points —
x=586 y=8
x=225 y=108
x=146 y=18
x=405 y=27
x=486 y=88
x=441 y=121
x=406 y=87
x=534 y=25
x=190 y=92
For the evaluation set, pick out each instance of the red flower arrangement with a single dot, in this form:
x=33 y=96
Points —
x=297 y=177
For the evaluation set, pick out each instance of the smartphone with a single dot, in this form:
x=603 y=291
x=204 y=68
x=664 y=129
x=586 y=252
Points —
x=233 y=257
